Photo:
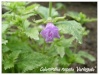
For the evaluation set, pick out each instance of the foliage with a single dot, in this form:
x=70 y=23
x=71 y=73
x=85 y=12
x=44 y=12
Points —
x=24 y=50
x=68 y=27
x=80 y=17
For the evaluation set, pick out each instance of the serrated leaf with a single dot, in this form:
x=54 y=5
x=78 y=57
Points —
x=14 y=55
x=11 y=59
x=8 y=64
x=71 y=27
x=33 y=33
x=86 y=55
x=44 y=12
x=80 y=17
x=16 y=44
x=30 y=61
x=12 y=6
x=60 y=51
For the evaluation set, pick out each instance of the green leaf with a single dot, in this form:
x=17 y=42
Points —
x=71 y=27
x=80 y=17
x=4 y=27
x=11 y=59
x=55 y=62
x=79 y=60
x=33 y=33
x=16 y=44
x=26 y=24
x=29 y=15
x=60 y=6
x=31 y=8
x=65 y=42
x=63 y=61
x=14 y=6
x=86 y=55
x=4 y=41
x=44 y=12
x=69 y=52
x=5 y=48
x=31 y=60
x=84 y=31
x=54 y=13
x=74 y=15
x=60 y=51
x=71 y=57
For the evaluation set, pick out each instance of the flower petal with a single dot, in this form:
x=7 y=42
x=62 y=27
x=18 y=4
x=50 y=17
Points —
x=43 y=33
x=49 y=25
x=50 y=32
x=56 y=34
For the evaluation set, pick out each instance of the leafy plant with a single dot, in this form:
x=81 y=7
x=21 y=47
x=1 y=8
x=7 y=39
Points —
x=23 y=47
x=80 y=17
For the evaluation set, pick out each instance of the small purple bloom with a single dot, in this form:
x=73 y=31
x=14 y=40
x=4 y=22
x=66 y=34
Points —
x=50 y=32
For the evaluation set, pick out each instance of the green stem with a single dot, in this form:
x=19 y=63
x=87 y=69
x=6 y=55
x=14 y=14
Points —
x=44 y=45
x=75 y=48
x=50 y=8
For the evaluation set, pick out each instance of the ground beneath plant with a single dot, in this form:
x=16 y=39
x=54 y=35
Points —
x=89 y=42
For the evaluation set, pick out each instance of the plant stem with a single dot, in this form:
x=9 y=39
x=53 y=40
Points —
x=75 y=50
x=50 y=8
x=44 y=47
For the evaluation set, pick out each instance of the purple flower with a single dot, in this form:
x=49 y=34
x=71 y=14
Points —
x=50 y=32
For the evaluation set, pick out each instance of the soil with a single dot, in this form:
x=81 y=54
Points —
x=90 y=41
